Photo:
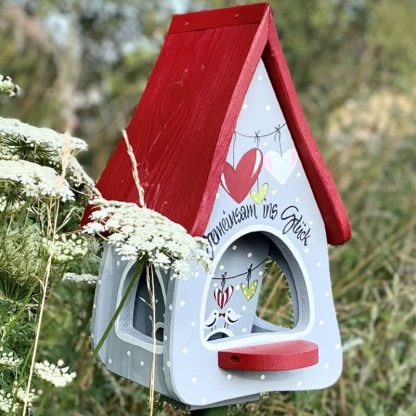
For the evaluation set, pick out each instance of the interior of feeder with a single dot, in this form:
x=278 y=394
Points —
x=136 y=317
x=258 y=286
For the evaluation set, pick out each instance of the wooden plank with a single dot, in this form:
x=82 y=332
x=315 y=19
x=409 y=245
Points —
x=229 y=16
x=279 y=356
x=330 y=204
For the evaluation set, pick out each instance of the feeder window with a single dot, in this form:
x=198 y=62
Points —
x=135 y=322
x=257 y=287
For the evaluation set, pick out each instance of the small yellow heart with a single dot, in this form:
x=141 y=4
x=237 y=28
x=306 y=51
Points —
x=250 y=290
x=258 y=196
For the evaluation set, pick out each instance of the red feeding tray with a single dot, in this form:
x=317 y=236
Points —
x=278 y=356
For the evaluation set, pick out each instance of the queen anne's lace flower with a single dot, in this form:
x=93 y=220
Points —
x=8 y=360
x=26 y=397
x=7 y=86
x=143 y=233
x=7 y=404
x=55 y=374
x=40 y=136
x=65 y=248
x=85 y=277
x=37 y=181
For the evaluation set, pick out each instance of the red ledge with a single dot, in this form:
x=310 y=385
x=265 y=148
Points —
x=279 y=356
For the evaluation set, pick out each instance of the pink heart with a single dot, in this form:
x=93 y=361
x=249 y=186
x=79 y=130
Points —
x=281 y=166
x=222 y=297
x=238 y=181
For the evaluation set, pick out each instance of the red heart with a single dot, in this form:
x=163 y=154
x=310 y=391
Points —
x=238 y=182
x=222 y=297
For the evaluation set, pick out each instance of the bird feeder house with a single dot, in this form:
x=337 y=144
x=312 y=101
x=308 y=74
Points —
x=224 y=149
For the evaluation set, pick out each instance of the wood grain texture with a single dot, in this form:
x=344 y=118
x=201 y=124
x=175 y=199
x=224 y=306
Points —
x=228 y=16
x=330 y=204
x=182 y=128
x=280 y=356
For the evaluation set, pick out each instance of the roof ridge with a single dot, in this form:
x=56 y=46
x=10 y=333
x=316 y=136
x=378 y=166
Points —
x=228 y=16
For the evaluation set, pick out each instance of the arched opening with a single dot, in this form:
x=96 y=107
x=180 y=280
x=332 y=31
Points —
x=136 y=318
x=258 y=286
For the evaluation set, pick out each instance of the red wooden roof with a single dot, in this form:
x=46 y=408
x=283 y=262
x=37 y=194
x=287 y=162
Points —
x=182 y=127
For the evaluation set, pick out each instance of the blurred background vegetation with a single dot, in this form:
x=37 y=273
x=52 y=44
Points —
x=82 y=64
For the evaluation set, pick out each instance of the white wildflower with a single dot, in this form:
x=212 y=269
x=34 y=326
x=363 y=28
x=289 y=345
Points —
x=7 y=86
x=8 y=360
x=78 y=176
x=36 y=181
x=143 y=233
x=85 y=277
x=57 y=375
x=66 y=249
x=42 y=136
x=26 y=397
x=7 y=404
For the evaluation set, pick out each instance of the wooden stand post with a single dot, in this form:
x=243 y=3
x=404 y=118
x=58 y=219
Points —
x=215 y=411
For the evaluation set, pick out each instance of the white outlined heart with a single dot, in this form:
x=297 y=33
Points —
x=280 y=166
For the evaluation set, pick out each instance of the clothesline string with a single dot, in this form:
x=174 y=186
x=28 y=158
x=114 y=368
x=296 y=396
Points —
x=250 y=269
x=258 y=136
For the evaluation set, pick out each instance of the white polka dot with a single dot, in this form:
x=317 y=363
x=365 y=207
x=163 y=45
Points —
x=326 y=365
x=94 y=306
x=182 y=303
x=245 y=106
x=215 y=285
x=265 y=143
x=110 y=361
x=318 y=264
x=222 y=267
x=99 y=281
x=128 y=353
x=229 y=377
x=194 y=380
x=234 y=247
x=306 y=250
x=244 y=330
x=193 y=323
x=142 y=363
x=263 y=377
x=326 y=294
x=260 y=77
x=268 y=108
x=204 y=400
x=337 y=346
x=299 y=383
x=168 y=363
x=298 y=175
x=274 y=192
x=297 y=199
x=249 y=255
x=170 y=307
x=217 y=196
x=310 y=222
x=165 y=337
x=321 y=322
x=184 y=351
x=237 y=288
x=196 y=274
x=243 y=308
x=261 y=273
x=156 y=300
